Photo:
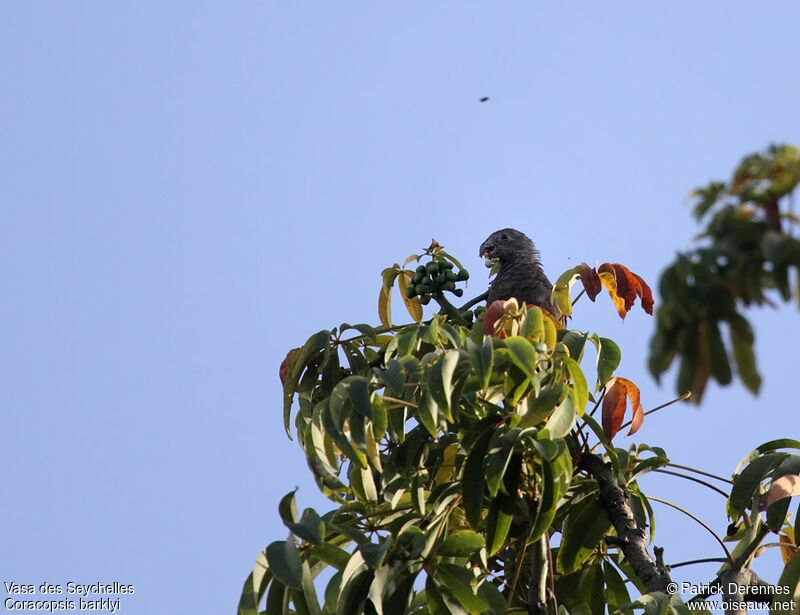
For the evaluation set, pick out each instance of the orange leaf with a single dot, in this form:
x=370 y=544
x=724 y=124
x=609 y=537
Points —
x=609 y=280
x=645 y=294
x=624 y=286
x=783 y=487
x=614 y=404
x=613 y=409
x=591 y=281
x=636 y=407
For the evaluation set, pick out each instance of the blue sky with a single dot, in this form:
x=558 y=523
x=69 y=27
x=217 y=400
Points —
x=191 y=189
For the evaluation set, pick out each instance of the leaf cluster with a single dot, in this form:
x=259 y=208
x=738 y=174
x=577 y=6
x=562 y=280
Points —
x=747 y=249
x=452 y=458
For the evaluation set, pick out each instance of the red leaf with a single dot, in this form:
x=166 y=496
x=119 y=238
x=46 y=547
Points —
x=636 y=407
x=614 y=403
x=493 y=313
x=645 y=294
x=286 y=365
x=625 y=287
x=591 y=281
x=613 y=409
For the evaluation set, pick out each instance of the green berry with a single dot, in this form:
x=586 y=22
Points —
x=451 y=286
x=411 y=292
x=433 y=267
x=416 y=278
x=458 y=292
x=440 y=280
x=462 y=275
x=446 y=265
x=419 y=289
x=422 y=270
x=450 y=276
x=425 y=299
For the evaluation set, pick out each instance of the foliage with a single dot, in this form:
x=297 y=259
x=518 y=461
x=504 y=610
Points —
x=747 y=249
x=460 y=451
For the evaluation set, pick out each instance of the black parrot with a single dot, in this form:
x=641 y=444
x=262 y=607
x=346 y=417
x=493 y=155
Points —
x=520 y=275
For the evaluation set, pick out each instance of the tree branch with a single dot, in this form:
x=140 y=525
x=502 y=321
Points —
x=630 y=537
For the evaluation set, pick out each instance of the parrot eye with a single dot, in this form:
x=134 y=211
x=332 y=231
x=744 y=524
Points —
x=504 y=237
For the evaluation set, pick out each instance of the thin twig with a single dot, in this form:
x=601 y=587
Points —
x=580 y=294
x=401 y=402
x=472 y=302
x=690 y=469
x=661 y=407
x=707 y=560
x=693 y=479
x=690 y=515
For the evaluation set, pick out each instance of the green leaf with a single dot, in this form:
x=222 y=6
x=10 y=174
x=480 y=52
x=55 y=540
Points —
x=540 y=406
x=373 y=554
x=394 y=588
x=413 y=305
x=790 y=577
x=439 y=377
x=584 y=528
x=379 y=417
x=309 y=593
x=480 y=358
x=767 y=447
x=742 y=341
x=395 y=377
x=287 y=508
x=461 y=543
x=747 y=484
x=331 y=555
x=591 y=590
x=498 y=522
x=717 y=356
x=523 y=354
x=285 y=563
x=407 y=341
x=556 y=477
x=532 y=325
x=616 y=590
x=458 y=582
x=428 y=413
x=363 y=484
x=600 y=434
x=366 y=330
x=356 y=579
x=562 y=287
x=358 y=389
x=331 y=422
x=498 y=458
x=388 y=276
x=332 y=591
x=277 y=599
x=563 y=419
x=315 y=343
x=412 y=541
x=255 y=586
x=578 y=384
x=493 y=597
x=472 y=481
x=575 y=342
x=608 y=358
x=310 y=528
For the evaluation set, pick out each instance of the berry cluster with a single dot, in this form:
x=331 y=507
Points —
x=436 y=276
